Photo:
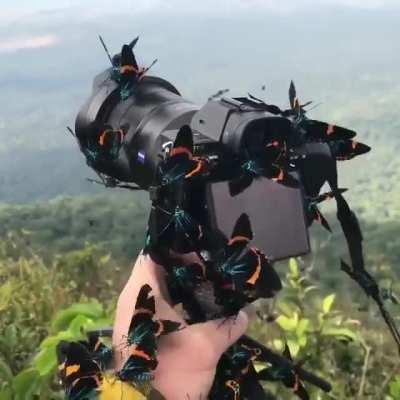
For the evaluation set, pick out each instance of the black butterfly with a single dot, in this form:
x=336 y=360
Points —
x=116 y=59
x=261 y=166
x=289 y=377
x=99 y=352
x=80 y=374
x=235 y=372
x=241 y=274
x=170 y=224
x=142 y=333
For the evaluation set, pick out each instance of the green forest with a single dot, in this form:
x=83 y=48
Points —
x=63 y=263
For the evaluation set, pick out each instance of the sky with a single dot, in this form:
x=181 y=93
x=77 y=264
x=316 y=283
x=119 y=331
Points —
x=13 y=9
x=21 y=14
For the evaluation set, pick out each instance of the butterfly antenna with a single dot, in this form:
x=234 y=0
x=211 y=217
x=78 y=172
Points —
x=150 y=66
x=106 y=49
x=70 y=130
x=315 y=106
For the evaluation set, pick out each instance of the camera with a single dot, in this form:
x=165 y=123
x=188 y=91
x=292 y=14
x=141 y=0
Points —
x=229 y=133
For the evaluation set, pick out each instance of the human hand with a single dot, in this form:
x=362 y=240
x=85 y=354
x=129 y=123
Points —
x=187 y=359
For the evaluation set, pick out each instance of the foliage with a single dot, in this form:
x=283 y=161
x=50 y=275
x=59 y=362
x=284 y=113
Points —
x=38 y=378
x=330 y=343
x=38 y=308
x=116 y=223
x=47 y=266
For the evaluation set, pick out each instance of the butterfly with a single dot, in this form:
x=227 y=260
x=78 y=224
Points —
x=141 y=339
x=170 y=224
x=288 y=376
x=110 y=141
x=234 y=373
x=241 y=274
x=116 y=59
x=99 y=352
x=315 y=130
x=80 y=374
x=257 y=167
x=181 y=163
x=126 y=71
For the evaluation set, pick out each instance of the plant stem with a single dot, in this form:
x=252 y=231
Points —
x=364 y=371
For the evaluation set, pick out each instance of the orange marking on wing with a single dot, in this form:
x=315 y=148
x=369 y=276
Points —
x=141 y=354
x=71 y=369
x=128 y=68
x=280 y=177
x=253 y=279
x=102 y=138
x=330 y=130
x=238 y=238
x=196 y=170
x=95 y=377
x=142 y=311
x=181 y=150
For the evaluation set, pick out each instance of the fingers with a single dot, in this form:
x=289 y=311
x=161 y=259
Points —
x=199 y=347
x=224 y=332
x=145 y=271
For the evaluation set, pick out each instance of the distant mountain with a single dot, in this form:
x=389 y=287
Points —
x=34 y=175
x=346 y=62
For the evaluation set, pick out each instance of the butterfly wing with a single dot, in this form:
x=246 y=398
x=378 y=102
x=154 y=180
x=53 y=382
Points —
x=80 y=374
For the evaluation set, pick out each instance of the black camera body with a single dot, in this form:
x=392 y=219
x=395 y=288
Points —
x=222 y=130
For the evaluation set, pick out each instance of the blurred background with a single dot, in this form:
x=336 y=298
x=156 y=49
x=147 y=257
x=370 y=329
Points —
x=66 y=245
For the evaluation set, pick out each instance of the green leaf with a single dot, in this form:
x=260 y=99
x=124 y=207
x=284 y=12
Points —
x=327 y=303
x=6 y=374
x=310 y=288
x=294 y=268
x=26 y=384
x=394 y=388
x=302 y=340
x=293 y=347
x=287 y=324
x=6 y=292
x=340 y=333
x=278 y=344
x=62 y=320
x=6 y=394
x=46 y=361
x=287 y=307
x=302 y=326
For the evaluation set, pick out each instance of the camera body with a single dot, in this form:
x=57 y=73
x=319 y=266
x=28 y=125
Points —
x=222 y=130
